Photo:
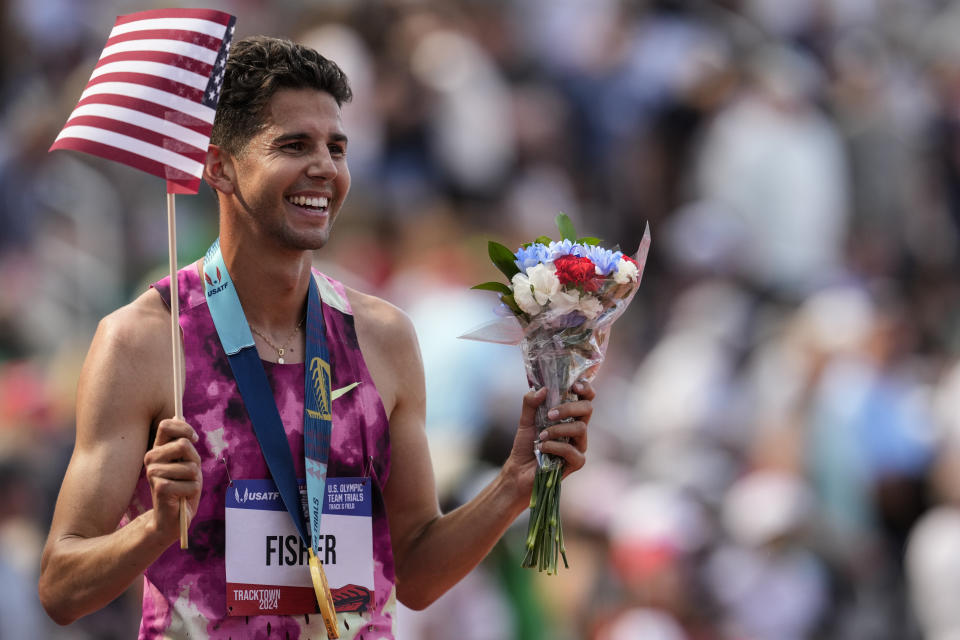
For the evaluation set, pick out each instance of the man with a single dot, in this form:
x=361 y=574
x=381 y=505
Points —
x=277 y=162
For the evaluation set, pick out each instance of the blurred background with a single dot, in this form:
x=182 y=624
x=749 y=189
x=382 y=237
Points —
x=774 y=452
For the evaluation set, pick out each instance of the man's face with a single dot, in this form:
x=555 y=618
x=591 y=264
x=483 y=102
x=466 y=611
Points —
x=292 y=176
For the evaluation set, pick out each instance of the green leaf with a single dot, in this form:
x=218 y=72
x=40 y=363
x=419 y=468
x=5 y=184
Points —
x=503 y=258
x=499 y=287
x=589 y=240
x=544 y=240
x=511 y=303
x=567 y=232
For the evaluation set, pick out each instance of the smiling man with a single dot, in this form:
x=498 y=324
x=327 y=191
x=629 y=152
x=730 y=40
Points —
x=302 y=450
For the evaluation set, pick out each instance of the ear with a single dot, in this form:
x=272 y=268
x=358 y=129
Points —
x=219 y=171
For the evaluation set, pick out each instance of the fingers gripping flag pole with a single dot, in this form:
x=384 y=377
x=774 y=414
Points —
x=150 y=104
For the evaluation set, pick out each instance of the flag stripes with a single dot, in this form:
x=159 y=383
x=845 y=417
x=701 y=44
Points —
x=136 y=145
x=177 y=89
x=161 y=57
x=205 y=27
x=177 y=181
x=206 y=15
x=156 y=126
x=181 y=42
x=158 y=111
x=151 y=99
x=171 y=103
x=141 y=134
x=176 y=74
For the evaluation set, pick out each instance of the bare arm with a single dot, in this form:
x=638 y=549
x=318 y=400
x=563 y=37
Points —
x=432 y=552
x=87 y=561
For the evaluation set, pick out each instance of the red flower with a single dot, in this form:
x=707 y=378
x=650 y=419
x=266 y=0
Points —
x=626 y=257
x=577 y=271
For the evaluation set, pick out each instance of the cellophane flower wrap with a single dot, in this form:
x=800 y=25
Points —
x=560 y=305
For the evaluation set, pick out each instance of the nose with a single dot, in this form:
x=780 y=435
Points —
x=322 y=166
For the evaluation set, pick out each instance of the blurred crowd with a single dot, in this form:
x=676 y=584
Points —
x=775 y=451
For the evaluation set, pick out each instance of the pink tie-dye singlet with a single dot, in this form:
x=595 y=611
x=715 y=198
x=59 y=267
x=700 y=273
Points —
x=185 y=590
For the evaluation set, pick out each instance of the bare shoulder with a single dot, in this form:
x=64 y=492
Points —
x=136 y=330
x=377 y=317
x=131 y=354
x=389 y=345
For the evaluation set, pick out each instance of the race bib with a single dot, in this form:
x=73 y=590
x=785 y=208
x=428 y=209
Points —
x=267 y=563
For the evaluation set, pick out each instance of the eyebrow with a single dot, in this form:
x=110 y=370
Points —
x=286 y=137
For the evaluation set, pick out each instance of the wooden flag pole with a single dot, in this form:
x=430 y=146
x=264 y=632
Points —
x=175 y=335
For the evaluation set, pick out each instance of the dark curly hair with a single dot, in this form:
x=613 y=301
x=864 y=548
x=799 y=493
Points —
x=257 y=67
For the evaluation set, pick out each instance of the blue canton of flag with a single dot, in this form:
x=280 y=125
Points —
x=211 y=96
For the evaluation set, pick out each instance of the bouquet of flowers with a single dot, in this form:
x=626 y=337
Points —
x=562 y=299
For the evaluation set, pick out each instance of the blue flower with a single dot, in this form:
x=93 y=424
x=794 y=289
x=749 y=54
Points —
x=605 y=259
x=530 y=256
x=564 y=248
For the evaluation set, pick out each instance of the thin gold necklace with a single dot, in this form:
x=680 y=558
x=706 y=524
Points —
x=282 y=349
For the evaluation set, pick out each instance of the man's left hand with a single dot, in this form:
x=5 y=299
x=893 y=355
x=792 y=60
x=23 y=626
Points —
x=567 y=440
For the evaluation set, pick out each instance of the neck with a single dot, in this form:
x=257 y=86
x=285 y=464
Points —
x=272 y=284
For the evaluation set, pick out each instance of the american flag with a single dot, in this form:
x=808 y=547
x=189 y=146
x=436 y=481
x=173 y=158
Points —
x=152 y=97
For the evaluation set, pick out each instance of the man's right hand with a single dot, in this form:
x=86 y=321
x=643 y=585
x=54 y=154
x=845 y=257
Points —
x=173 y=470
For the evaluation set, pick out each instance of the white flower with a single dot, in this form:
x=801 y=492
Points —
x=590 y=307
x=523 y=295
x=564 y=301
x=544 y=280
x=626 y=272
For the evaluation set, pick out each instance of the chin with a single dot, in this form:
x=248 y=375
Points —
x=305 y=241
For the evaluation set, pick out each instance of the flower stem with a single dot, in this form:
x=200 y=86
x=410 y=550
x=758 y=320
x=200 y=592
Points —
x=544 y=533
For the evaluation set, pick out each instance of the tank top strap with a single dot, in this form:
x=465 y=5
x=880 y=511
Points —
x=190 y=293
x=332 y=292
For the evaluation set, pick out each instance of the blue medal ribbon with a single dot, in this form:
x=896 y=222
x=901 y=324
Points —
x=237 y=340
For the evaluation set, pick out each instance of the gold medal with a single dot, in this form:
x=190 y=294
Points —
x=324 y=597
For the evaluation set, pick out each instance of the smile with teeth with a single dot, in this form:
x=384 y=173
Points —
x=317 y=203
